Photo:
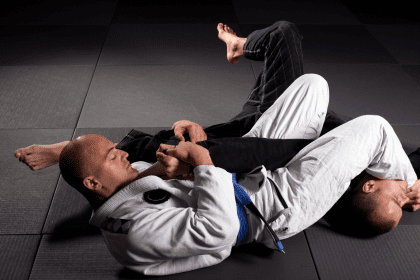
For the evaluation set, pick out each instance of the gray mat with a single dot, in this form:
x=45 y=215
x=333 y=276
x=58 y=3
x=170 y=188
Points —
x=25 y=194
x=17 y=255
x=87 y=257
x=386 y=13
x=51 y=45
x=350 y=44
x=392 y=37
x=304 y=11
x=393 y=256
x=50 y=12
x=363 y=89
x=185 y=11
x=167 y=44
x=413 y=71
x=42 y=96
x=160 y=95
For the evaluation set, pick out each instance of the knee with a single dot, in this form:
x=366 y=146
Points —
x=284 y=23
x=316 y=87
x=372 y=123
x=373 y=119
x=287 y=26
x=314 y=79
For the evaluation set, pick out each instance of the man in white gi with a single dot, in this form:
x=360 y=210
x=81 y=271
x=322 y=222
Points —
x=197 y=224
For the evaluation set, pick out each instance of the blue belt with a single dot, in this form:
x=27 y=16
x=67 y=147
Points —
x=242 y=201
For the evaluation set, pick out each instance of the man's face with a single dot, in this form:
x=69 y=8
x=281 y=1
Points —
x=113 y=170
x=393 y=197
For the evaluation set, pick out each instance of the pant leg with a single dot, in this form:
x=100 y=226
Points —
x=299 y=113
x=279 y=46
x=320 y=173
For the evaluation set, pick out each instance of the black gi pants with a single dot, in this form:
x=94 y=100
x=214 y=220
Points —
x=279 y=46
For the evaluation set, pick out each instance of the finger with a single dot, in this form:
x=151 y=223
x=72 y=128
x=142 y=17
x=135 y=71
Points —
x=180 y=154
x=161 y=158
x=172 y=152
x=176 y=124
x=193 y=136
x=202 y=136
x=164 y=147
x=412 y=195
x=179 y=136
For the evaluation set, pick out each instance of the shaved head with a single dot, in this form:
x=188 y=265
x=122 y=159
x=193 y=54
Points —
x=76 y=161
x=92 y=165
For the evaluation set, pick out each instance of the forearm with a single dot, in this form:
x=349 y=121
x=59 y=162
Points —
x=156 y=169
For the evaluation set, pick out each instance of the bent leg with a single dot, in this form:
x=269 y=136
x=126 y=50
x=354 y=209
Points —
x=279 y=46
x=298 y=114
x=321 y=172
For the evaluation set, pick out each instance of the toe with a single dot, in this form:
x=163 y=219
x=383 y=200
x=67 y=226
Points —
x=20 y=154
x=27 y=158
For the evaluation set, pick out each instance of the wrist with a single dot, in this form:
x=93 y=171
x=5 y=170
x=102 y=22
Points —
x=204 y=162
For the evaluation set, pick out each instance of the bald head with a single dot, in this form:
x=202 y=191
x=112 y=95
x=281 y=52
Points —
x=76 y=160
x=92 y=165
x=82 y=151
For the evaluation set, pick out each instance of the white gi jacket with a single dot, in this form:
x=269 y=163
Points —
x=196 y=227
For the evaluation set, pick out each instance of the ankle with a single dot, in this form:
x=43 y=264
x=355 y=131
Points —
x=59 y=148
x=241 y=45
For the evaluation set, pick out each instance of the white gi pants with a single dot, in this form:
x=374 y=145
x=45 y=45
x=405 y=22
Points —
x=314 y=180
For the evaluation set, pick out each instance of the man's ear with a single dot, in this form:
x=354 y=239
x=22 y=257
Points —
x=92 y=183
x=370 y=186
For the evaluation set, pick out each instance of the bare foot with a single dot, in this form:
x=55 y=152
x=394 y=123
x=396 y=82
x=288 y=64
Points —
x=40 y=156
x=234 y=43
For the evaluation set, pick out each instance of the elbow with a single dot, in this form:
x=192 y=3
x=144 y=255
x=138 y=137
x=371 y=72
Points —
x=235 y=227
x=232 y=229
x=230 y=226
x=224 y=233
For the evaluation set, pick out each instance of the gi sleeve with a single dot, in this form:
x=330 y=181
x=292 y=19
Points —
x=162 y=234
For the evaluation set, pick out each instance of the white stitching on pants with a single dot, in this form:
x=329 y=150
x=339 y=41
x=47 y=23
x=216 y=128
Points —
x=252 y=51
